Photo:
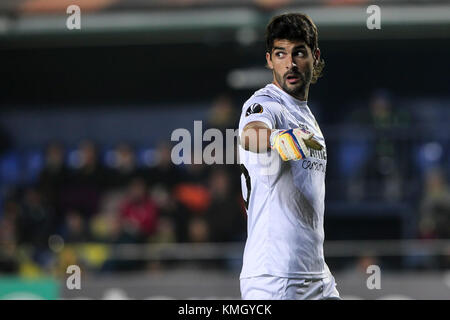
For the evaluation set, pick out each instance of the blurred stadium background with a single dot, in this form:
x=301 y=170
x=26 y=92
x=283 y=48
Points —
x=85 y=125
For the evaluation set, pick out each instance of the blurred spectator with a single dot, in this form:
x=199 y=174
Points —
x=222 y=114
x=225 y=215
x=165 y=174
x=174 y=216
x=162 y=180
x=74 y=228
x=86 y=182
x=382 y=115
x=198 y=230
x=382 y=175
x=35 y=221
x=192 y=199
x=194 y=196
x=138 y=213
x=195 y=173
x=137 y=222
x=124 y=166
x=103 y=225
x=8 y=237
x=165 y=232
x=53 y=177
x=435 y=207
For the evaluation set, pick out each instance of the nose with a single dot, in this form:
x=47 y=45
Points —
x=291 y=63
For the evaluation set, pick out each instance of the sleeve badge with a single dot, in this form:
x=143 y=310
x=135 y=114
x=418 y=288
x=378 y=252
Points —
x=254 y=108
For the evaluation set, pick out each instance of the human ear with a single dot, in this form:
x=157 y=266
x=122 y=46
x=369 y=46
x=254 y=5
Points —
x=269 y=61
x=316 y=56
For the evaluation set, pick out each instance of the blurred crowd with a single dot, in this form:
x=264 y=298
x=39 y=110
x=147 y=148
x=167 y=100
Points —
x=124 y=203
x=404 y=158
x=407 y=161
x=87 y=196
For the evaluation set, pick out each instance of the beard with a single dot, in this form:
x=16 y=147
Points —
x=297 y=89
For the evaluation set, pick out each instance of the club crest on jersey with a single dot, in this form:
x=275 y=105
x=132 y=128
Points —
x=304 y=128
x=254 y=108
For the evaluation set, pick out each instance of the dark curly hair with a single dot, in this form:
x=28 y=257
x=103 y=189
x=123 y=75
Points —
x=294 y=27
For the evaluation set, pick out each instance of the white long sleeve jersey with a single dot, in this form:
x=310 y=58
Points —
x=285 y=200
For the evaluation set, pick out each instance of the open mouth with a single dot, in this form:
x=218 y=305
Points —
x=293 y=79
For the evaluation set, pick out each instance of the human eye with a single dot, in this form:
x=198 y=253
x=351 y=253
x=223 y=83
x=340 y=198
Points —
x=300 y=53
x=279 y=54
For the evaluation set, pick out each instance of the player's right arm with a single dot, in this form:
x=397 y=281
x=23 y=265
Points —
x=259 y=121
x=291 y=144
x=255 y=137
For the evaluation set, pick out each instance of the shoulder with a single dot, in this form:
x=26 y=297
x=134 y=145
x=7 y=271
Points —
x=264 y=105
x=263 y=100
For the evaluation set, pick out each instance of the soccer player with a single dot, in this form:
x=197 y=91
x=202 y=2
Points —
x=283 y=158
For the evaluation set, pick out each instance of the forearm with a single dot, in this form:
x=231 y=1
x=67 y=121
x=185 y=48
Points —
x=256 y=138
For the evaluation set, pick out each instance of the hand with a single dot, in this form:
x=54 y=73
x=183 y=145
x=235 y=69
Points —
x=293 y=144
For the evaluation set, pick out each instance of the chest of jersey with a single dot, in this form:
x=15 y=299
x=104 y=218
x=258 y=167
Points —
x=292 y=118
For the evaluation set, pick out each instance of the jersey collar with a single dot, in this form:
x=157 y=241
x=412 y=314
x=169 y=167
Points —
x=291 y=99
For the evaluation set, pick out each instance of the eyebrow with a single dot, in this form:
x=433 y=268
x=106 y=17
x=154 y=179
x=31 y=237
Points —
x=301 y=46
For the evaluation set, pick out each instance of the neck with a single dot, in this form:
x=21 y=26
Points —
x=302 y=95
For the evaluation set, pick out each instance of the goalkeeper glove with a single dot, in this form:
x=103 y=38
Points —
x=293 y=144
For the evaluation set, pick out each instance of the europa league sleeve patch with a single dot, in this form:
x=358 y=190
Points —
x=254 y=108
